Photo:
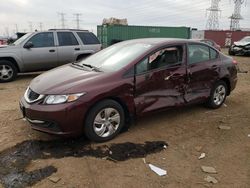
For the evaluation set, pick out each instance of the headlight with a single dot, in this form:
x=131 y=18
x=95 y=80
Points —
x=59 y=99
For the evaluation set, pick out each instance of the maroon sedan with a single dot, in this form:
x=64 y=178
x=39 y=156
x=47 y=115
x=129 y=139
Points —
x=100 y=94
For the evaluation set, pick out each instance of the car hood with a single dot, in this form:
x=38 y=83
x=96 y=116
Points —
x=7 y=48
x=64 y=80
x=239 y=43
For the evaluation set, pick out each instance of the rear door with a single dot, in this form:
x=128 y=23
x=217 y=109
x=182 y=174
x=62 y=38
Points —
x=68 y=47
x=203 y=70
x=43 y=54
x=160 y=80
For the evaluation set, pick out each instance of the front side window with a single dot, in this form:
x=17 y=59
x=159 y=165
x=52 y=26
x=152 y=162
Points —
x=198 y=53
x=66 y=39
x=169 y=56
x=42 y=40
x=88 y=38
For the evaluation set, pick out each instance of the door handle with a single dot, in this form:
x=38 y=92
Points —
x=51 y=50
x=77 y=49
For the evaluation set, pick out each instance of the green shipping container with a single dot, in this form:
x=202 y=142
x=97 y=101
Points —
x=110 y=34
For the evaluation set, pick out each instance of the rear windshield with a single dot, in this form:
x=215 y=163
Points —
x=117 y=56
x=88 y=38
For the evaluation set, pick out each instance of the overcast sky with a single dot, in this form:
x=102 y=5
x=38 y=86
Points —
x=190 y=13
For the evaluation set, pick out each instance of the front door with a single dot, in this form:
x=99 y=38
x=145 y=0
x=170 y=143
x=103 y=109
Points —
x=161 y=80
x=42 y=55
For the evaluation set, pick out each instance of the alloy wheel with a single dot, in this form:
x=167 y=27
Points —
x=106 y=122
x=6 y=72
x=219 y=95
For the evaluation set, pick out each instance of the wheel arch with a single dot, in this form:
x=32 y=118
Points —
x=11 y=59
x=128 y=115
x=227 y=81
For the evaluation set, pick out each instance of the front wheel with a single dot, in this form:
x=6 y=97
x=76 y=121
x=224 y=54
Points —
x=104 y=121
x=218 y=95
x=8 y=71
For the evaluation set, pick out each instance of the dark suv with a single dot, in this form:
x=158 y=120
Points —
x=41 y=51
x=98 y=95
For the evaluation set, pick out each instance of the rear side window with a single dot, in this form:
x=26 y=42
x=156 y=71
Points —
x=88 y=38
x=42 y=40
x=198 y=53
x=66 y=39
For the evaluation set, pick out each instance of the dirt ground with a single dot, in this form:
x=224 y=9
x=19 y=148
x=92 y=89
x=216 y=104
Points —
x=188 y=132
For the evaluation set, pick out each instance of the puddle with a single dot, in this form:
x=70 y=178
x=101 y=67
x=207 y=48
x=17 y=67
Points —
x=13 y=161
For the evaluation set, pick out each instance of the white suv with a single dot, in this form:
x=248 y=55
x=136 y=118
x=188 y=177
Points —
x=41 y=51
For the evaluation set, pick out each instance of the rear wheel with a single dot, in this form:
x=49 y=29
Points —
x=104 y=121
x=218 y=95
x=8 y=71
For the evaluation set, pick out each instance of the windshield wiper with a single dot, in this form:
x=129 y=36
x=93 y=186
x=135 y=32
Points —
x=82 y=65
x=91 y=66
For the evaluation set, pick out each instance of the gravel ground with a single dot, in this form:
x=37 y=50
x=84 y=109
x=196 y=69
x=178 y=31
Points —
x=188 y=132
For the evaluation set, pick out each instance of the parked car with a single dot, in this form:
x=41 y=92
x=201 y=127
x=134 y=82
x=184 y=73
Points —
x=41 y=51
x=210 y=42
x=100 y=94
x=241 y=47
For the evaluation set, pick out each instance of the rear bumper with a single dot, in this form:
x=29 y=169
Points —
x=64 y=119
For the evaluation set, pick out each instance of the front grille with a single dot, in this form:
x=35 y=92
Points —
x=32 y=95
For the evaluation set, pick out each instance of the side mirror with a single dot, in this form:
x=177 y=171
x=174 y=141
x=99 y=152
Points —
x=28 y=45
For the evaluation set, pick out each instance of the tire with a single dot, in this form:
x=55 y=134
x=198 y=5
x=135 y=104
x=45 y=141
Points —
x=8 y=71
x=218 y=95
x=230 y=52
x=110 y=119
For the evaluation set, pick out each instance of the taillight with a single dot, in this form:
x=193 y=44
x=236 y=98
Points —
x=235 y=62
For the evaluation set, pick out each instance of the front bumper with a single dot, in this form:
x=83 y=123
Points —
x=62 y=119
x=241 y=50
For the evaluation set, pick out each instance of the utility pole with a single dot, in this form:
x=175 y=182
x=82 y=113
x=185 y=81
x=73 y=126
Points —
x=16 y=28
x=7 y=32
x=41 y=26
x=236 y=16
x=213 y=18
x=31 y=26
x=62 y=19
x=77 y=20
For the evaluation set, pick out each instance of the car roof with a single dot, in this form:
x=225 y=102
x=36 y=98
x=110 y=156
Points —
x=155 y=41
x=68 y=30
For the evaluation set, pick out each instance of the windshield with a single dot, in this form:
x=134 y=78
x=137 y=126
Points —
x=20 y=40
x=116 y=56
x=245 y=39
